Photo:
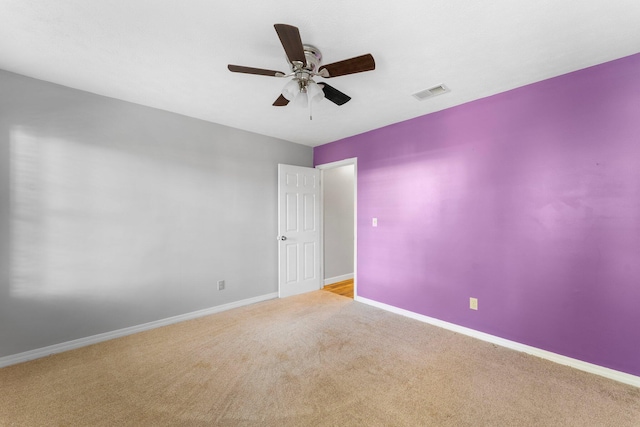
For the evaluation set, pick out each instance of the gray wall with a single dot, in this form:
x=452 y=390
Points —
x=337 y=184
x=114 y=214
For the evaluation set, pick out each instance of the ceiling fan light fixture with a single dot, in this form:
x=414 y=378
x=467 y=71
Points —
x=301 y=100
x=314 y=91
x=291 y=89
x=302 y=92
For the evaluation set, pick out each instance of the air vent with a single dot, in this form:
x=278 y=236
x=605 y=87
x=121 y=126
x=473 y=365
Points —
x=431 y=92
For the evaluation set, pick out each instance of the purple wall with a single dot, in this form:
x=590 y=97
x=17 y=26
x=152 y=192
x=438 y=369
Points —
x=528 y=200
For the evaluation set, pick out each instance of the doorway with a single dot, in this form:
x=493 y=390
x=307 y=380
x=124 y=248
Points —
x=339 y=209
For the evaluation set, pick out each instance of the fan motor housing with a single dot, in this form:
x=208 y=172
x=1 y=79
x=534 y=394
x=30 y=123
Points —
x=313 y=57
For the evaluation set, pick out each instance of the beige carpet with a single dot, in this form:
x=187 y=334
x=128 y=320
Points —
x=312 y=360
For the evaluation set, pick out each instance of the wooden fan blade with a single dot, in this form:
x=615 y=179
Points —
x=348 y=66
x=291 y=42
x=258 y=71
x=334 y=95
x=281 y=101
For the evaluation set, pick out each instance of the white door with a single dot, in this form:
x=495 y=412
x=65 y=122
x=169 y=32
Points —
x=298 y=230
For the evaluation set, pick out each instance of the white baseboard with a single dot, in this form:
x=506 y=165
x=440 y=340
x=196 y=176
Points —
x=622 y=377
x=94 y=339
x=337 y=279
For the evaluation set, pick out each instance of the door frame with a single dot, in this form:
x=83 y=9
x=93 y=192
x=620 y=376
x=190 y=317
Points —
x=332 y=165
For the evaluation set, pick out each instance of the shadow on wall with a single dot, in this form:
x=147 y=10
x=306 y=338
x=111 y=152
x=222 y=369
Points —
x=88 y=219
x=91 y=218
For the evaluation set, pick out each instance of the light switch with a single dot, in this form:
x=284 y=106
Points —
x=374 y=222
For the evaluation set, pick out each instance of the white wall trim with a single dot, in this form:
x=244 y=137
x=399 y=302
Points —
x=338 y=163
x=612 y=374
x=337 y=279
x=82 y=342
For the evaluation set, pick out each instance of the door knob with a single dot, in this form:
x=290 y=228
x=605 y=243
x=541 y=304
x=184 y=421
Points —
x=283 y=237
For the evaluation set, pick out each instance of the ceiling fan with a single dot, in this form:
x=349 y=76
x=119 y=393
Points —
x=305 y=63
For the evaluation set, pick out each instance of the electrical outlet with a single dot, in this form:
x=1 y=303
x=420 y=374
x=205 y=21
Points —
x=473 y=303
x=220 y=285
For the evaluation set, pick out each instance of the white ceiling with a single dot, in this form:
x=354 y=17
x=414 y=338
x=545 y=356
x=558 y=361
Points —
x=173 y=55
